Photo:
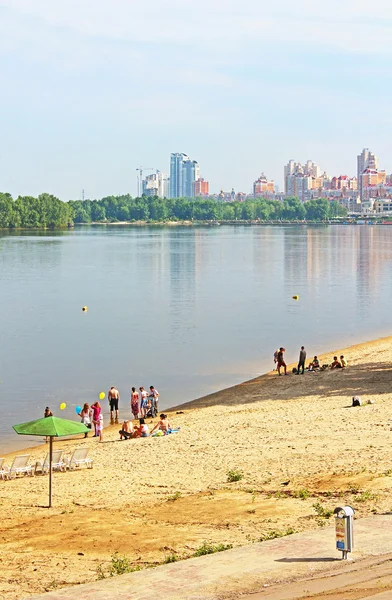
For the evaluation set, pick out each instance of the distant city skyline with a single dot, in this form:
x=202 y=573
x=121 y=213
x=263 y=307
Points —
x=92 y=90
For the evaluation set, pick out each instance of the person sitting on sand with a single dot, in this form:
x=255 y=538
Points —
x=126 y=430
x=336 y=364
x=314 y=365
x=281 y=362
x=162 y=425
x=343 y=362
x=142 y=430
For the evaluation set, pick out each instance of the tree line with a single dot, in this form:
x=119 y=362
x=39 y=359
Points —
x=47 y=211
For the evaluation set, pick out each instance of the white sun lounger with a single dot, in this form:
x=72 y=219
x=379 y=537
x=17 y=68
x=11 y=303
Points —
x=19 y=465
x=79 y=457
x=3 y=468
x=57 y=462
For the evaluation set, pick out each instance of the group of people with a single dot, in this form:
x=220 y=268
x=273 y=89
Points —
x=314 y=365
x=163 y=427
x=143 y=403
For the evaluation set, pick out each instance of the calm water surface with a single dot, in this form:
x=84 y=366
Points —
x=189 y=310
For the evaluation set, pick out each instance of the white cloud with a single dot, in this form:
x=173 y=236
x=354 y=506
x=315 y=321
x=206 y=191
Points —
x=342 y=24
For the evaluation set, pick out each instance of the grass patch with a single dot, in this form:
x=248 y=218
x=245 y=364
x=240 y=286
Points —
x=207 y=548
x=170 y=559
x=321 y=511
x=234 y=475
x=174 y=497
x=276 y=533
x=119 y=565
x=303 y=494
x=365 y=496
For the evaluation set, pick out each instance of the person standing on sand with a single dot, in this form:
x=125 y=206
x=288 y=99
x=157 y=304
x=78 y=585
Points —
x=154 y=395
x=85 y=417
x=96 y=408
x=143 y=401
x=113 y=397
x=301 y=360
x=135 y=403
x=276 y=359
x=281 y=362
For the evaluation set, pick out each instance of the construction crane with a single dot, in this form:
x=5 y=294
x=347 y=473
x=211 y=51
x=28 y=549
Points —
x=140 y=178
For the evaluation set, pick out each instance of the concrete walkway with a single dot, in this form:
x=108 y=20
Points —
x=257 y=569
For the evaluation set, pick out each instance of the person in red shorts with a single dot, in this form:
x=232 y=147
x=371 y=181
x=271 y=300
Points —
x=281 y=362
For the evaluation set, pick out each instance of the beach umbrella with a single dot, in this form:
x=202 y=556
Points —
x=50 y=427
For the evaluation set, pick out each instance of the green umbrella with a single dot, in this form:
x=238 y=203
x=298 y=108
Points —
x=50 y=427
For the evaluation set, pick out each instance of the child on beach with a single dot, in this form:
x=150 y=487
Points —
x=275 y=359
x=99 y=427
x=96 y=407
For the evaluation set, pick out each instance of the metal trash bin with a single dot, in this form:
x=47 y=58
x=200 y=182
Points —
x=344 y=528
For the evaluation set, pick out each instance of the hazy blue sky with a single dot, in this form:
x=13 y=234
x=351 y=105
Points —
x=91 y=89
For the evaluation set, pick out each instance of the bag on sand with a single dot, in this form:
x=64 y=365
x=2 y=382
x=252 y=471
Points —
x=295 y=370
x=357 y=401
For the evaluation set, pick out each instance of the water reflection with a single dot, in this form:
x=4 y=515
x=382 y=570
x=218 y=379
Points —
x=186 y=309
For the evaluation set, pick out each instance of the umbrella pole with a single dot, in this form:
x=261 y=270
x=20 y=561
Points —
x=50 y=470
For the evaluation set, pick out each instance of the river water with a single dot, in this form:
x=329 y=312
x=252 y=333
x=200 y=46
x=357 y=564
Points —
x=188 y=309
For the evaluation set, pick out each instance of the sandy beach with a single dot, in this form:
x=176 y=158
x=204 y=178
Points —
x=300 y=447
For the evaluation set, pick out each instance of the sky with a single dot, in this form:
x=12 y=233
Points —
x=93 y=89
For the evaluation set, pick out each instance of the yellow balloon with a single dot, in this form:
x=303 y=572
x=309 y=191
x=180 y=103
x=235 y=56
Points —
x=295 y=297
x=84 y=309
x=102 y=395
x=62 y=406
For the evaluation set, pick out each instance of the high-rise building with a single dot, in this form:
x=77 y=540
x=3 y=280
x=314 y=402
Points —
x=191 y=172
x=365 y=160
x=156 y=184
x=176 y=173
x=300 y=180
x=201 y=187
x=183 y=173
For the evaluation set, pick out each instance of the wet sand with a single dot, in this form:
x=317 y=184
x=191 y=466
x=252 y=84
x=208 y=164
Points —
x=299 y=446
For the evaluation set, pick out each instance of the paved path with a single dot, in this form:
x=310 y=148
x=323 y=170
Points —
x=258 y=569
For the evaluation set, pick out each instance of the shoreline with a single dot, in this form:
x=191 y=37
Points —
x=263 y=459
x=212 y=399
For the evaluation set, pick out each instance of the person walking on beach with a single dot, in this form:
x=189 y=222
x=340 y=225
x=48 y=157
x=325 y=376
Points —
x=281 y=362
x=134 y=403
x=113 y=397
x=301 y=361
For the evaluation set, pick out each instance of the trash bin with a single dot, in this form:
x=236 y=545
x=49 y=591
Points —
x=344 y=518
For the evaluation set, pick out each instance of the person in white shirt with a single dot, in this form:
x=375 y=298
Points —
x=143 y=401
